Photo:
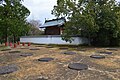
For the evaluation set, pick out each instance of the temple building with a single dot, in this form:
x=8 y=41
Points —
x=54 y=26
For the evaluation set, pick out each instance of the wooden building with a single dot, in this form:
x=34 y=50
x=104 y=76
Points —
x=54 y=26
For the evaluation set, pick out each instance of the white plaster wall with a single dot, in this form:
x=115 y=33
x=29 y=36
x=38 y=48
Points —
x=53 y=40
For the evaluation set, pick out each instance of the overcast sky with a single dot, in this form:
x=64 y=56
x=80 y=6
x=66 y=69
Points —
x=40 y=9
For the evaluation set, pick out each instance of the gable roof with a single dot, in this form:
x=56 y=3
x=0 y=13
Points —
x=54 y=22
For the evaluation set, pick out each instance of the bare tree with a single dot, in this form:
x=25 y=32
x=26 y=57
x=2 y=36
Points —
x=35 y=24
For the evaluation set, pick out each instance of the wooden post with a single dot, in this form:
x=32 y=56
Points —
x=15 y=45
x=18 y=42
x=29 y=44
x=10 y=44
x=6 y=43
x=23 y=44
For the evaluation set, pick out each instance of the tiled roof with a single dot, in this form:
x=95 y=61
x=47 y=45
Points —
x=54 y=22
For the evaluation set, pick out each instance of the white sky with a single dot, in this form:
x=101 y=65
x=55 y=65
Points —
x=40 y=9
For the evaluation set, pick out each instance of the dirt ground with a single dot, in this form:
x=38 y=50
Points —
x=32 y=69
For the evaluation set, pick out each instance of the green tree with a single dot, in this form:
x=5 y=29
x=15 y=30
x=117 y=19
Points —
x=13 y=20
x=107 y=20
x=97 y=20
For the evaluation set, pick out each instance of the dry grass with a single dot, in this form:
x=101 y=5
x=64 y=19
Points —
x=107 y=63
x=30 y=66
